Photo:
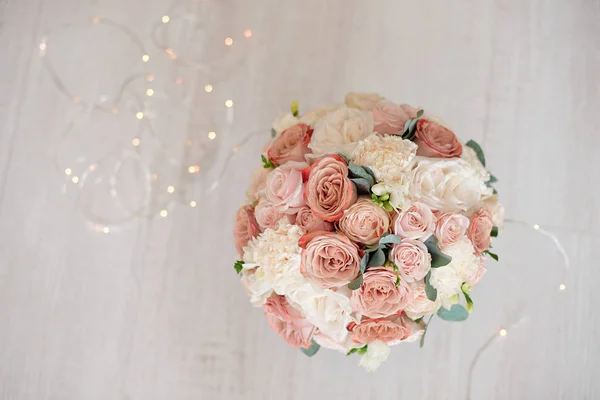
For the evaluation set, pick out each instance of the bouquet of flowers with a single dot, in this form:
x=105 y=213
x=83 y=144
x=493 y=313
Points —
x=365 y=220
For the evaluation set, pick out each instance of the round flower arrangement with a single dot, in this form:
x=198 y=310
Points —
x=365 y=221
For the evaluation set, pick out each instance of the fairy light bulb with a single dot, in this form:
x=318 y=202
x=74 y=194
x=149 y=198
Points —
x=75 y=179
x=135 y=142
x=229 y=103
x=562 y=287
x=68 y=171
x=165 y=19
x=170 y=189
x=105 y=229
x=503 y=332
x=228 y=41
x=536 y=227
x=139 y=115
x=212 y=135
x=247 y=33
x=164 y=213
x=192 y=203
x=150 y=78
x=145 y=58
x=208 y=88
x=150 y=92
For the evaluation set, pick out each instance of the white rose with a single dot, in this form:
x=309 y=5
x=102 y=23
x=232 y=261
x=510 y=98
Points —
x=448 y=284
x=492 y=204
x=362 y=101
x=388 y=156
x=283 y=122
x=329 y=311
x=469 y=155
x=377 y=352
x=421 y=305
x=313 y=116
x=447 y=185
x=340 y=130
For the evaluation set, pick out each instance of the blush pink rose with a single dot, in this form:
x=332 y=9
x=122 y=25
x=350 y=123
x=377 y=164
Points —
x=449 y=228
x=267 y=215
x=480 y=230
x=291 y=145
x=478 y=274
x=288 y=322
x=389 y=118
x=328 y=191
x=245 y=228
x=434 y=140
x=307 y=220
x=330 y=259
x=379 y=296
x=385 y=329
x=364 y=222
x=284 y=187
x=416 y=222
x=412 y=258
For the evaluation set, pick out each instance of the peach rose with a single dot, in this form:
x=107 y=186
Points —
x=245 y=228
x=310 y=222
x=384 y=329
x=412 y=258
x=436 y=141
x=267 y=215
x=389 y=118
x=379 y=296
x=288 y=322
x=420 y=304
x=416 y=222
x=330 y=259
x=478 y=274
x=364 y=222
x=450 y=227
x=328 y=191
x=291 y=145
x=480 y=230
x=284 y=187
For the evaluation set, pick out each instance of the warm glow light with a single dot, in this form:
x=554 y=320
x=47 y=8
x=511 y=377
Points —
x=76 y=99
x=68 y=171
x=139 y=115
x=163 y=213
x=172 y=55
x=115 y=110
x=145 y=58
x=43 y=46
x=503 y=332
x=179 y=80
x=105 y=229
x=536 y=227
x=562 y=286
x=149 y=92
x=192 y=203
x=208 y=88
x=154 y=177
x=228 y=41
x=212 y=135
x=247 y=32
x=170 y=189
x=92 y=167
x=165 y=19
x=235 y=149
x=135 y=142
x=188 y=143
x=75 y=179
x=192 y=169
x=150 y=78
x=229 y=103
x=95 y=20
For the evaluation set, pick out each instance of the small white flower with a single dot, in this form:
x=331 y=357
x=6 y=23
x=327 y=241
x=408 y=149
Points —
x=283 y=122
x=377 y=352
x=390 y=157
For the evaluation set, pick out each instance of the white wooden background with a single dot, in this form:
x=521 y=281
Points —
x=153 y=309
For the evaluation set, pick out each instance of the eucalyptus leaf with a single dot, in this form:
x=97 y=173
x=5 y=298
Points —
x=273 y=132
x=364 y=262
x=357 y=171
x=312 y=349
x=389 y=238
x=362 y=185
x=493 y=179
x=494 y=256
x=356 y=283
x=377 y=258
x=344 y=157
x=438 y=259
x=495 y=191
x=456 y=313
x=370 y=172
x=420 y=113
x=478 y=151
x=494 y=232
x=430 y=291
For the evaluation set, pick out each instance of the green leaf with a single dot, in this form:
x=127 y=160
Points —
x=422 y=341
x=362 y=185
x=344 y=157
x=377 y=258
x=370 y=172
x=364 y=262
x=273 y=132
x=356 y=283
x=397 y=271
x=312 y=349
x=478 y=150
x=359 y=350
x=430 y=291
x=357 y=171
x=239 y=266
x=494 y=256
x=388 y=207
x=495 y=191
x=456 y=313
x=438 y=259
x=494 y=232
x=469 y=302
x=389 y=238
x=420 y=113
x=266 y=163
x=492 y=179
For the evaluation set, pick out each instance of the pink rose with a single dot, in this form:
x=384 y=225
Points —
x=412 y=258
x=328 y=191
x=420 y=304
x=389 y=330
x=245 y=228
x=480 y=230
x=478 y=274
x=364 y=222
x=291 y=145
x=307 y=220
x=379 y=296
x=436 y=141
x=450 y=227
x=284 y=188
x=416 y=222
x=267 y=215
x=390 y=118
x=288 y=322
x=329 y=258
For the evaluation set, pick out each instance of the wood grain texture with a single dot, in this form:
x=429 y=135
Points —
x=155 y=311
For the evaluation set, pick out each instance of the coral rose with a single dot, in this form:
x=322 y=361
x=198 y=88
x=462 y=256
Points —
x=328 y=191
x=384 y=329
x=416 y=222
x=412 y=258
x=480 y=230
x=436 y=141
x=245 y=228
x=379 y=296
x=310 y=222
x=364 y=222
x=291 y=145
x=288 y=322
x=284 y=187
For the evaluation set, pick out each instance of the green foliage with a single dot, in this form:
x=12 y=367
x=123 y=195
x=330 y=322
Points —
x=239 y=265
x=266 y=162
x=312 y=349
x=438 y=259
x=359 y=350
x=456 y=313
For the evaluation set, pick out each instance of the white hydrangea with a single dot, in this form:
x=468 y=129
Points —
x=276 y=256
x=390 y=157
x=377 y=352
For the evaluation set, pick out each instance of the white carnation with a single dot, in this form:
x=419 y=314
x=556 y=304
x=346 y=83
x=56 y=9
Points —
x=340 y=130
x=390 y=157
x=447 y=185
x=377 y=352
x=329 y=311
x=258 y=288
x=283 y=122
x=276 y=256
x=464 y=261
x=447 y=283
